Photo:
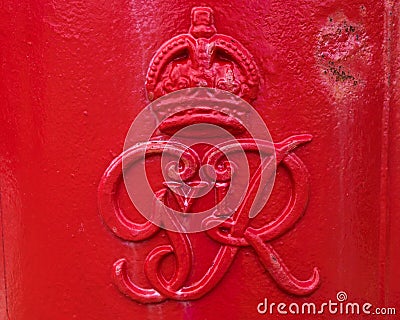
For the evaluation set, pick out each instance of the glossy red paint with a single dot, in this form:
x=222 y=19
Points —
x=73 y=80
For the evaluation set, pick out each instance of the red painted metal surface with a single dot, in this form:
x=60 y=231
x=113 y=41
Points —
x=76 y=74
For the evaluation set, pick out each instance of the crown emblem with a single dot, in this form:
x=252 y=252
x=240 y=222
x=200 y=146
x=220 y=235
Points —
x=203 y=58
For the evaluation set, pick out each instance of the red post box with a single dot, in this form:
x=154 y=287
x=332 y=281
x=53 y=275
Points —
x=320 y=76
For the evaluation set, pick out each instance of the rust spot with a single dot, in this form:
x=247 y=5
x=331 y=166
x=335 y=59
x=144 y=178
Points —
x=340 y=39
x=339 y=73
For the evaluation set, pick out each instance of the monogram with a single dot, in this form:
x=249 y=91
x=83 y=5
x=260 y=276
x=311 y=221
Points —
x=218 y=63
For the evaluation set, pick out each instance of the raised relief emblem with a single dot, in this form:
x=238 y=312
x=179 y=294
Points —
x=203 y=58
